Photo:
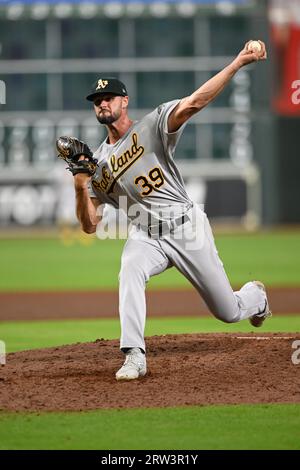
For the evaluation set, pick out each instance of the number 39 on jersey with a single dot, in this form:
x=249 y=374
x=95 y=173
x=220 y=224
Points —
x=153 y=181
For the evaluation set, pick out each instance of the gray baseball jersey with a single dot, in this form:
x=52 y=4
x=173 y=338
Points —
x=140 y=166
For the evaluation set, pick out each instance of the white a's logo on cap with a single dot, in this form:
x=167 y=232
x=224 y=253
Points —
x=102 y=84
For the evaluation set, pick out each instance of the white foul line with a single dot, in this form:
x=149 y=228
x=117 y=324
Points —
x=265 y=337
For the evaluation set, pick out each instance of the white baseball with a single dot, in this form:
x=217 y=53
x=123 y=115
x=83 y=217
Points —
x=254 y=46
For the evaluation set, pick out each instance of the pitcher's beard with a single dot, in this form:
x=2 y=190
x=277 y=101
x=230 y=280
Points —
x=104 y=119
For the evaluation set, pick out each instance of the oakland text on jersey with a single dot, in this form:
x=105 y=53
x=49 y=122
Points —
x=118 y=165
x=105 y=181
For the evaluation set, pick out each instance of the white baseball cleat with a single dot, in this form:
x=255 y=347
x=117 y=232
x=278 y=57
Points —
x=134 y=365
x=258 y=319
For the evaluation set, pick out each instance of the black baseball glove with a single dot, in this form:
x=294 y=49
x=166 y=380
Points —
x=70 y=149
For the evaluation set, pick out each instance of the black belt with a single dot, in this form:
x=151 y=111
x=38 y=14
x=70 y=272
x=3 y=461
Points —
x=164 y=226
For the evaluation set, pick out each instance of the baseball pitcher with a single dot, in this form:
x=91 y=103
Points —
x=136 y=161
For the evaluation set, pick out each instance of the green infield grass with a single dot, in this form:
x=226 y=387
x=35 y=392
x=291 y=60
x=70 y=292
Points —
x=207 y=427
x=48 y=264
x=41 y=334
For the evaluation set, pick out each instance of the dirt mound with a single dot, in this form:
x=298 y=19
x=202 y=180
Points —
x=194 y=369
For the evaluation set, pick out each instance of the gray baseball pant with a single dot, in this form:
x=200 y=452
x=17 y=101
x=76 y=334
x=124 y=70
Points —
x=191 y=249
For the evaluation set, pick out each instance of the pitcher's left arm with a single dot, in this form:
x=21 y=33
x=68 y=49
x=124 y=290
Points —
x=192 y=104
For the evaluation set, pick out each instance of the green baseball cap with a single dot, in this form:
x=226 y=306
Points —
x=107 y=85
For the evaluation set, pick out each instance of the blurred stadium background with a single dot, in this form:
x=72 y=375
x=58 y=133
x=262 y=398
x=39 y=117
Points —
x=239 y=157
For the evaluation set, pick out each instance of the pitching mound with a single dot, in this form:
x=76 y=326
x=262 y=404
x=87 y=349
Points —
x=191 y=369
